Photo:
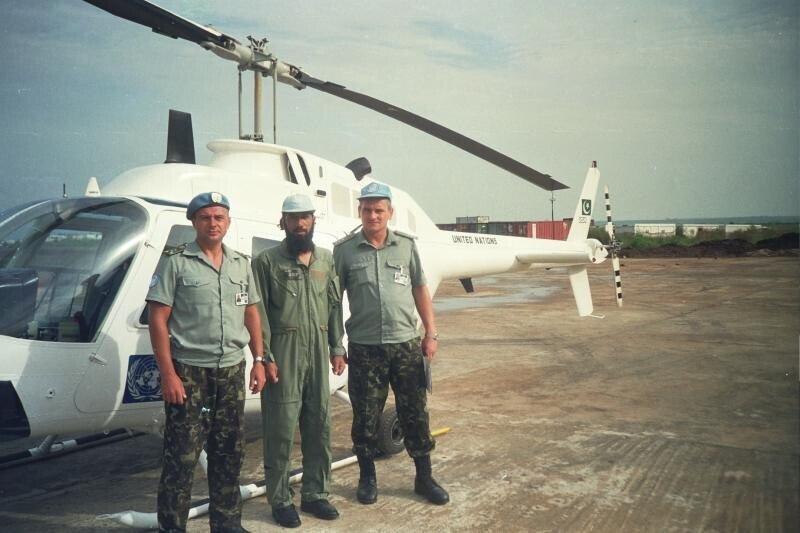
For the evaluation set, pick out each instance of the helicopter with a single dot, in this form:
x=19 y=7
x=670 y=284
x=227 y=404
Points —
x=74 y=271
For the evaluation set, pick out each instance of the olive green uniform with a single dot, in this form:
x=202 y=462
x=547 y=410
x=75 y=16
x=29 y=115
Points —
x=207 y=340
x=384 y=347
x=302 y=325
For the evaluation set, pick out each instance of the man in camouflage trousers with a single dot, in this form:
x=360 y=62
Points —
x=202 y=314
x=302 y=331
x=381 y=271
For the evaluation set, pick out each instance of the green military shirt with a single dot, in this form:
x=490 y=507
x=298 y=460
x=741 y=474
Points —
x=301 y=314
x=206 y=325
x=378 y=284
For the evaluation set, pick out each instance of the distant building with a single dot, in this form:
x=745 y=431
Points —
x=691 y=230
x=733 y=228
x=655 y=230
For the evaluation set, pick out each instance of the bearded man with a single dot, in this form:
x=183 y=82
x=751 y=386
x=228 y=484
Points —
x=301 y=319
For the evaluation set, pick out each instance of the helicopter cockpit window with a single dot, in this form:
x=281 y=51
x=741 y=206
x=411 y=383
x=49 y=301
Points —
x=177 y=235
x=62 y=263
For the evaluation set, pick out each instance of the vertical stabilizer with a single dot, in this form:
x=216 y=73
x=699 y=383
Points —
x=583 y=212
x=579 y=280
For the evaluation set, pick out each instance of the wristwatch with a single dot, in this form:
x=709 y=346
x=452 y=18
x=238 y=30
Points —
x=258 y=359
x=434 y=336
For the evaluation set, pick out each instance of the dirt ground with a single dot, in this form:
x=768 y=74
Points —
x=677 y=412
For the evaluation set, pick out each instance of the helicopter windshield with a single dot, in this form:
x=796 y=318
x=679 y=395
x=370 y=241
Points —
x=62 y=263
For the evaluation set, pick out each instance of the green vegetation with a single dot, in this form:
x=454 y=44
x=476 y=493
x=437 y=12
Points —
x=752 y=235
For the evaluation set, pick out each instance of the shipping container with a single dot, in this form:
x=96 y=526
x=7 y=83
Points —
x=552 y=229
x=522 y=228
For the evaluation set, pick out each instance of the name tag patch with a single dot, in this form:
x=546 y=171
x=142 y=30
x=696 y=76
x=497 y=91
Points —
x=401 y=276
x=293 y=273
x=242 y=298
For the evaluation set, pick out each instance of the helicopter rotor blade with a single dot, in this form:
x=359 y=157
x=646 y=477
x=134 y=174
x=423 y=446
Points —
x=258 y=59
x=162 y=21
x=545 y=181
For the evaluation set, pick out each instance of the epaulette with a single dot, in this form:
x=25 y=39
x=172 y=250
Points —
x=240 y=254
x=174 y=250
x=404 y=234
x=349 y=236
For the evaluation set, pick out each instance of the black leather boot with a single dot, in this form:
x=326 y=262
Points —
x=367 y=492
x=425 y=485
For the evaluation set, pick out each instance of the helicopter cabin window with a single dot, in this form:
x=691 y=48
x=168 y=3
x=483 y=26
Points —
x=178 y=235
x=62 y=263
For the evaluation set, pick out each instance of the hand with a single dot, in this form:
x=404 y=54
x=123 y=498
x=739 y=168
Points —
x=271 y=370
x=338 y=363
x=258 y=377
x=172 y=389
x=429 y=346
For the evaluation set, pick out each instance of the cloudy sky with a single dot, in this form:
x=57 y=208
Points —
x=690 y=108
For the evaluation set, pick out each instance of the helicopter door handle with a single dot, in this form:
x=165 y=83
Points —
x=97 y=359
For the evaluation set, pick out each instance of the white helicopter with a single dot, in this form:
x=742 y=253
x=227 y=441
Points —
x=74 y=272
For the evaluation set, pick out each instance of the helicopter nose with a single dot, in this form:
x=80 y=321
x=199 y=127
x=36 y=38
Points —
x=13 y=420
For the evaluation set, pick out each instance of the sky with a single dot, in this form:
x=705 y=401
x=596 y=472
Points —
x=692 y=109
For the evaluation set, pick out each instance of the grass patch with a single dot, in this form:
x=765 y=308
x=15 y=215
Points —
x=643 y=242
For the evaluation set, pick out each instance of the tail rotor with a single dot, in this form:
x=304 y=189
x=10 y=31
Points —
x=615 y=248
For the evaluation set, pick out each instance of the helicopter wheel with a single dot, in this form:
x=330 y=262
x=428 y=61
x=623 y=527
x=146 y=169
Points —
x=390 y=433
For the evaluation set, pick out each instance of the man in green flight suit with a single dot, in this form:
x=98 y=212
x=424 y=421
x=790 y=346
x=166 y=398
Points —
x=381 y=271
x=302 y=328
x=202 y=314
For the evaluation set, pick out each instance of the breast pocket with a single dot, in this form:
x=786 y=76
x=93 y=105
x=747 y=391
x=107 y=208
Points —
x=359 y=273
x=283 y=289
x=196 y=293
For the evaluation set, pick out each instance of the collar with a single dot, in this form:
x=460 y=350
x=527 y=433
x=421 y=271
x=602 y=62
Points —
x=193 y=249
x=391 y=239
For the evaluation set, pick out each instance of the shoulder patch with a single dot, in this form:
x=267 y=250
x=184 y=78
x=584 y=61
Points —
x=406 y=235
x=174 y=250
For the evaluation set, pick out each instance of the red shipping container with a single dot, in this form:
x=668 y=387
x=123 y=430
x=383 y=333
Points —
x=552 y=229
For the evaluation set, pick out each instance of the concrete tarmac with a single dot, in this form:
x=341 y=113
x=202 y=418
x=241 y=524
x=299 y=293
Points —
x=677 y=412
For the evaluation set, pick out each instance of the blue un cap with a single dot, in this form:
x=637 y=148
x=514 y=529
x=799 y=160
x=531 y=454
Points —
x=297 y=203
x=376 y=190
x=206 y=199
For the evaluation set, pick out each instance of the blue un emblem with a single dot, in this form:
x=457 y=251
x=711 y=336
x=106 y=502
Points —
x=143 y=382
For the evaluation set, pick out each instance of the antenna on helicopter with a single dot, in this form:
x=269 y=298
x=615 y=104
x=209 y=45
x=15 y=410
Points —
x=92 y=188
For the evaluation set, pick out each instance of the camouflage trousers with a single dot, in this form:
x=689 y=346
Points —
x=371 y=369
x=212 y=416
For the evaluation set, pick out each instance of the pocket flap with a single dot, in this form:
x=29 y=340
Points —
x=194 y=282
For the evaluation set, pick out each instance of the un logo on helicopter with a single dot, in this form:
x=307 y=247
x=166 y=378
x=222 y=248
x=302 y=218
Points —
x=143 y=383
